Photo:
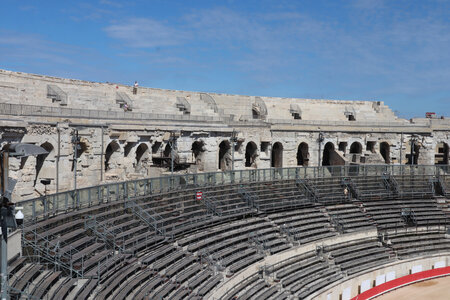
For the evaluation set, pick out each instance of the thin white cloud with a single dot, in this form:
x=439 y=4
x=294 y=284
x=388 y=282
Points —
x=146 y=33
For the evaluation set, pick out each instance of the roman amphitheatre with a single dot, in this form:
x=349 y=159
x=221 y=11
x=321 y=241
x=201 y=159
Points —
x=144 y=193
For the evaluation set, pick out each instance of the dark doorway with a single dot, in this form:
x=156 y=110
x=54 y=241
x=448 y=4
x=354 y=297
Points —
x=277 y=155
x=224 y=156
x=141 y=150
x=302 y=155
x=167 y=150
x=442 y=153
x=251 y=153
x=326 y=160
x=343 y=147
x=198 y=150
x=370 y=146
x=356 y=148
x=385 y=152
x=112 y=148
x=255 y=114
x=413 y=158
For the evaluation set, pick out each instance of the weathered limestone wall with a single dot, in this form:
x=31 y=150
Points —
x=112 y=148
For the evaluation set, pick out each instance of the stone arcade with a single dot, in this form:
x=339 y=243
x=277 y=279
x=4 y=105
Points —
x=123 y=136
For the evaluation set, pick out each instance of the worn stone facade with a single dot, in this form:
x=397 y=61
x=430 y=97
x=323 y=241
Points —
x=124 y=136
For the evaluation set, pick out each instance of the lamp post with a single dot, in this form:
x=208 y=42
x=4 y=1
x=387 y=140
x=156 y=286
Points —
x=8 y=219
x=320 y=140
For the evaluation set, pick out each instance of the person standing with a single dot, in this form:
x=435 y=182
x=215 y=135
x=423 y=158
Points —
x=135 y=87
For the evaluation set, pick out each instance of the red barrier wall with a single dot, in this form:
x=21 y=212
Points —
x=396 y=283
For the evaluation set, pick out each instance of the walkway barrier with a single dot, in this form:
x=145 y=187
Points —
x=402 y=281
x=46 y=206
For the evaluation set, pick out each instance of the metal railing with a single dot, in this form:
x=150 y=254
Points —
x=108 y=235
x=153 y=220
x=50 y=111
x=346 y=123
x=45 y=206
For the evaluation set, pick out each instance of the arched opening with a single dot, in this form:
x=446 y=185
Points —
x=442 y=153
x=343 y=147
x=385 y=152
x=356 y=148
x=111 y=153
x=277 y=155
x=142 y=154
x=302 y=155
x=42 y=163
x=329 y=148
x=255 y=114
x=198 y=151
x=251 y=153
x=224 y=156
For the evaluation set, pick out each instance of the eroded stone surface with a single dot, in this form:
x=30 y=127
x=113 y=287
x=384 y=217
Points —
x=120 y=145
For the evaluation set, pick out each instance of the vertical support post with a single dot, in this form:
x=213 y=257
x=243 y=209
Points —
x=57 y=159
x=4 y=269
x=321 y=138
x=102 y=157
x=171 y=152
x=401 y=146
x=75 y=154
x=4 y=250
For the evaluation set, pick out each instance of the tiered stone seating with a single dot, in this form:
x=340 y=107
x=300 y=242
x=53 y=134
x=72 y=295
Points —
x=226 y=201
x=177 y=212
x=371 y=188
x=304 y=225
x=412 y=243
x=350 y=217
x=198 y=250
x=304 y=274
x=328 y=190
x=414 y=186
x=277 y=195
x=66 y=240
x=357 y=256
x=235 y=245
x=387 y=214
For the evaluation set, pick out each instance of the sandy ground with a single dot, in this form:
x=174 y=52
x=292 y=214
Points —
x=434 y=289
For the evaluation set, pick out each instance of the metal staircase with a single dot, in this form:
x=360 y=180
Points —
x=153 y=220
x=50 y=251
x=210 y=203
x=250 y=197
x=122 y=99
x=55 y=93
x=103 y=232
x=351 y=186
x=308 y=188
x=409 y=216
x=390 y=183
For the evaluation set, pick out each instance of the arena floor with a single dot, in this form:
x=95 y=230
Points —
x=436 y=289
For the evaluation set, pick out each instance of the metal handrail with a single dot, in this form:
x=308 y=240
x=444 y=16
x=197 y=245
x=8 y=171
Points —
x=45 y=206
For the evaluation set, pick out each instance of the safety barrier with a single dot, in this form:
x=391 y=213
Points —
x=45 y=206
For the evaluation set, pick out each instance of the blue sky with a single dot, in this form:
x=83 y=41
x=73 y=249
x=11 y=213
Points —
x=392 y=51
